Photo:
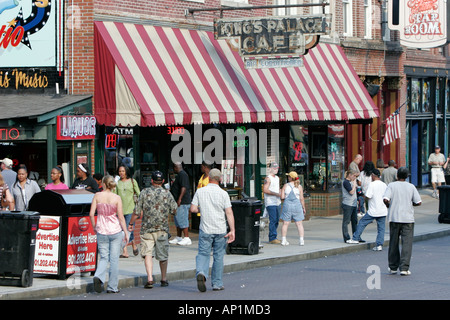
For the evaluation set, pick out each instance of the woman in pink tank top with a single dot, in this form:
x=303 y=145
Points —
x=111 y=231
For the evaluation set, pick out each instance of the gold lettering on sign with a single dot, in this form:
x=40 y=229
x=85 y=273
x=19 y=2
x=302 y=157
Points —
x=30 y=81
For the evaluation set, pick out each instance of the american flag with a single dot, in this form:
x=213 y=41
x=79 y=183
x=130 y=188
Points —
x=392 y=128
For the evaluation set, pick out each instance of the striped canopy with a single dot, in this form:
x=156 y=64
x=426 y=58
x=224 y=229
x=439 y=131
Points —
x=151 y=76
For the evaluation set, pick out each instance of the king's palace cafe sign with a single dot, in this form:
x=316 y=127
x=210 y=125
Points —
x=421 y=23
x=273 y=36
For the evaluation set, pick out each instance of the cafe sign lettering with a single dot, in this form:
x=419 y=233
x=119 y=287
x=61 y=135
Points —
x=278 y=36
x=75 y=127
x=421 y=23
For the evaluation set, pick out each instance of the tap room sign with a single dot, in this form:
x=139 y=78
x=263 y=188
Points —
x=421 y=23
x=273 y=36
x=31 y=33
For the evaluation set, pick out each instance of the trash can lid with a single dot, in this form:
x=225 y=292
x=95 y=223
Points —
x=20 y=215
x=247 y=202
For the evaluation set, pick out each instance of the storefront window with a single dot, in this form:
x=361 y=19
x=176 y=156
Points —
x=426 y=96
x=118 y=149
x=298 y=151
x=336 y=156
x=426 y=142
x=414 y=88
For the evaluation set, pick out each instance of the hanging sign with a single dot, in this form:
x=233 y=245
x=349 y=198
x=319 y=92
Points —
x=273 y=36
x=421 y=23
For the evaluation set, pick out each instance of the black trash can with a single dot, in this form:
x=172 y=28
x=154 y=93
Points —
x=66 y=242
x=444 y=204
x=247 y=214
x=17 y=244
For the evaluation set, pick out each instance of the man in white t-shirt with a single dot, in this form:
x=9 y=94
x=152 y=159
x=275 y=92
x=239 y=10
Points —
x=377 y=211
x=272 y=201
x=401 y=197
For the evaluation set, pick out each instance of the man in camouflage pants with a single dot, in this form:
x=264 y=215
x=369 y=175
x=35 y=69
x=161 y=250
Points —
x=154 y=206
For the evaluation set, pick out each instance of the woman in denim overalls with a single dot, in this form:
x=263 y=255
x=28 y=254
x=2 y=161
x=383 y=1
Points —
x=293 y=207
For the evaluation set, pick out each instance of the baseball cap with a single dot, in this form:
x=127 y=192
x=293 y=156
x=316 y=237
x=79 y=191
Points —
x=157 y=176
x=293 y=175
x=8 y=162
x=376 y=172
x=274 y=165
x=437 y=147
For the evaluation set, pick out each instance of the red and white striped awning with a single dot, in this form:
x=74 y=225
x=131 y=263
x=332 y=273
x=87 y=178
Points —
x=151 y=76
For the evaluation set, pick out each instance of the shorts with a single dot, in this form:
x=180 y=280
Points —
x=182 y=216
x=437 y=175
x=159 y=241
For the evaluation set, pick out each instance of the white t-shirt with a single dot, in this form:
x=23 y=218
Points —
x=375 y=192
x=271 y=200
x=401 y=195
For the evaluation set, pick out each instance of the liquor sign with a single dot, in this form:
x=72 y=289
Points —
x=273 y=36
x=421 y=23
x=75 y=127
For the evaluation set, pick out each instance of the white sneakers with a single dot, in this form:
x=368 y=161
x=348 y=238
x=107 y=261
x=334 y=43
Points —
x=284 y=242
x=402 y=273
x=181 y=241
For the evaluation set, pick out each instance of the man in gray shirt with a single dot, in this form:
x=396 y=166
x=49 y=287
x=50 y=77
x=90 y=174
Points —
x=8 y=174
x=400 y=197
x=389 y=174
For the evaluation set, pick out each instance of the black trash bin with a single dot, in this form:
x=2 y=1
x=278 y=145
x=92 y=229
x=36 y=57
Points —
x=17 y=244
x=66 y=242
x=247 y=214
x=444 y=204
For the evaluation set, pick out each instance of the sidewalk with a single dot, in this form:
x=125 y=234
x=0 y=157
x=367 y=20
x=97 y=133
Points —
x=323 y=237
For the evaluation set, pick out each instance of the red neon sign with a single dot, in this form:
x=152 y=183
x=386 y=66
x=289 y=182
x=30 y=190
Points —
x=9 y=134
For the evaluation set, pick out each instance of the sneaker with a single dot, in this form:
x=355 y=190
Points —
x=405 y=273
x=284 y=243
x=275 y=241
x=302 y=242
x=98 y=285
x=391 y=271
x=218 y=288
x=351 y=241
x=185 y=242
x=201 y=282
x=175 y=241
x=378 y=248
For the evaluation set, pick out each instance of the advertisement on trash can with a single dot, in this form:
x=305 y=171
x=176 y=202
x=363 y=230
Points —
x=81 y=245
x=46 y=255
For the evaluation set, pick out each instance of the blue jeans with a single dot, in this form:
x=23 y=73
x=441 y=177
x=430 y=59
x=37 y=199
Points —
x=109 y=247
x=206 y=242
x=365 y=220
x=350 y=215
x=274 y=218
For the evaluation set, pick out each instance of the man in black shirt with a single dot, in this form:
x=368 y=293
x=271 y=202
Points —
x=181 y=192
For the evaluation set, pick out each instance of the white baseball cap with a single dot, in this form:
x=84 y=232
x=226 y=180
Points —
x=8 y=162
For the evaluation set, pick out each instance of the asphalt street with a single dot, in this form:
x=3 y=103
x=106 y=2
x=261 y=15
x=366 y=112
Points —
x=362 y=275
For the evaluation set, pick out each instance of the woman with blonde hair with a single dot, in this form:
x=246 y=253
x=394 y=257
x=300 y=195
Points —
x=109 y=226
x=7 y=200
x=293 y=207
